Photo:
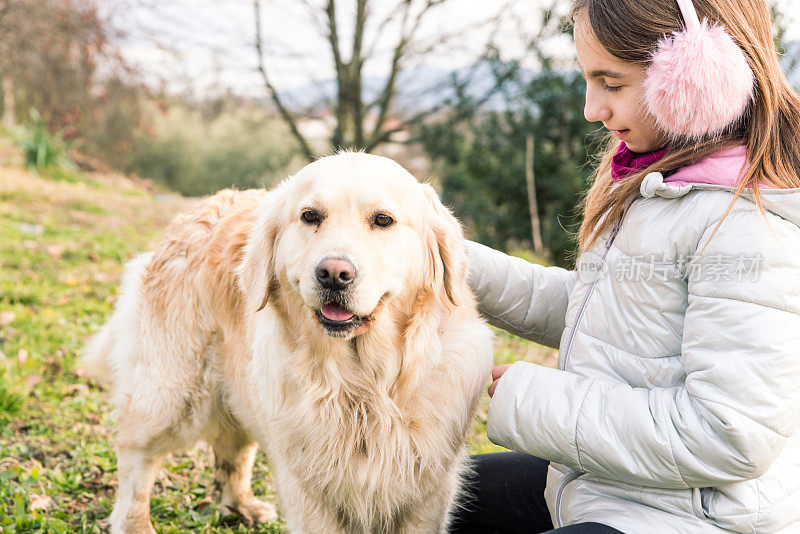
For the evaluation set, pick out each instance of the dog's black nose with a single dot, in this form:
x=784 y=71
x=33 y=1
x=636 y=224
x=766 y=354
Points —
x=335 y=273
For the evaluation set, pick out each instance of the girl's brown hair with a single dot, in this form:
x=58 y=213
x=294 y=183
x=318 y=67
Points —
x=630 y=31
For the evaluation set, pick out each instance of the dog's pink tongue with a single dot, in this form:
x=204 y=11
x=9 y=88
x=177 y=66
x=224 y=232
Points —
x=334 y=312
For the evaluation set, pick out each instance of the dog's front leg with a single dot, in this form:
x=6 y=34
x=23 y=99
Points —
x=431 y=518
x=234 y=452
x=136 y=472
x=303 y=513
x=434 y=513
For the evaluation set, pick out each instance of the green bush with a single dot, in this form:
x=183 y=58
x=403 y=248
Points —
x=44 y=152
x=196 y=150
x=10 y=400
x=40 y=148
x=481 y=164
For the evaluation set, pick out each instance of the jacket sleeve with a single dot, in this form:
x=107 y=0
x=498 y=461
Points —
x=524 y=298
x=738 y=405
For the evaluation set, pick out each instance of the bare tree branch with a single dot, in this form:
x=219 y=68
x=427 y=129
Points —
x=382 y=26
x=385 y=136
x=320 y=20
x=357 y=98
x=536 y=39
x=384 y=101
x=284 y=112
x=333 y=40
x=401 y=50
x=407 y=18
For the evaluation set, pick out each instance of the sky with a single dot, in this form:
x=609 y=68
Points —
x=207 y=45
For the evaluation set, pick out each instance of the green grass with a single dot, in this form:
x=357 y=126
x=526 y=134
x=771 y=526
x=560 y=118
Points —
x=62 y=246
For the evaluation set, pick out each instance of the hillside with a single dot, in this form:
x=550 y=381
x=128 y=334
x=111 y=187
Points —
x=62 y=247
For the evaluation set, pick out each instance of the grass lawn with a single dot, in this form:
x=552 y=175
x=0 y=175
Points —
x=62 y=246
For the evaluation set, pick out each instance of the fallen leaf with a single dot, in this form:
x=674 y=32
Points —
x=78 y=390
x=41 y=502
x=51 y=365
x=7 y=317
x=22 y=357
x=55 y=251
x=202 y=504
x=31 y=381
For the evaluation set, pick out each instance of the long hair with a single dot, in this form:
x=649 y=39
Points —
x=770 y=129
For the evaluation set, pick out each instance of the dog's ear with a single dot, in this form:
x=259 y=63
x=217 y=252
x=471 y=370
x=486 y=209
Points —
x=448 y=259
x=444 y=285
x=255 y=273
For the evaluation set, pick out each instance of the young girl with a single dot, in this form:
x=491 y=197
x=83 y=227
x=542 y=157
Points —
x=676 y=401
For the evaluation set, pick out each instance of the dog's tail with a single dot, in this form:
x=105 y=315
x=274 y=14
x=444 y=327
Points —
x=99 y=359
x=94 y=361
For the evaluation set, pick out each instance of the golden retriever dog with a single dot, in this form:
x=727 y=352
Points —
x=328 y=320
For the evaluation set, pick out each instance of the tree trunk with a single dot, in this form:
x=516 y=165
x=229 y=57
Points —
x=538 y=247
x=9 y=103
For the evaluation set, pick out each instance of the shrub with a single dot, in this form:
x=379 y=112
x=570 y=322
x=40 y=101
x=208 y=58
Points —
x=197 y=152
x=40 y=148
x=10 y=400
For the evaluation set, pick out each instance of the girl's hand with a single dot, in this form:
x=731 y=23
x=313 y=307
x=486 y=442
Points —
x=497 y=372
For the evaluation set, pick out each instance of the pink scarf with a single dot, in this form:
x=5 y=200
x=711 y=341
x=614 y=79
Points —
x=627 y=162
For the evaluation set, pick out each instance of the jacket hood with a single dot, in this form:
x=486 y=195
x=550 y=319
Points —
x=721 y=172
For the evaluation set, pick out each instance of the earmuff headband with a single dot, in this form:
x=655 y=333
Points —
x=689 y=14
x=699 y=83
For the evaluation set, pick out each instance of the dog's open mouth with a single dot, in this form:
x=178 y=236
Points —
x=337 y=319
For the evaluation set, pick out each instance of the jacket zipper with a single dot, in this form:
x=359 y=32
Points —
x=574 y=475
x=588 y=294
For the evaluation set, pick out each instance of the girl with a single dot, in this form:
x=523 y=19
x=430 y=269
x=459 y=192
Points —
x=676 y=401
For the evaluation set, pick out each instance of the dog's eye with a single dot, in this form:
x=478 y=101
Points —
x=383 y=220
x=311 y=217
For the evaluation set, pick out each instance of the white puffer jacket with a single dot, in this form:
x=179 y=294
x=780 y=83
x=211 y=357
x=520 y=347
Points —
x=676 y=401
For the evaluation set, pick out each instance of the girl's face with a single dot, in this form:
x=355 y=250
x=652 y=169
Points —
x=614 y=92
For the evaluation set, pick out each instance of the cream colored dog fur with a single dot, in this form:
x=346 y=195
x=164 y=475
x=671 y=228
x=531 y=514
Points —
x=360 y=390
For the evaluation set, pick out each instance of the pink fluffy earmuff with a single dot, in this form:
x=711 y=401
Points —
x=699 y=82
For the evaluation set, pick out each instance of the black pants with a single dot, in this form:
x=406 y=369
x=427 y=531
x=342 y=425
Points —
x=505 y=495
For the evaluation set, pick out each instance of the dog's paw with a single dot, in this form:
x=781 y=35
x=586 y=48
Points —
x=142 y=526
x=252 y=512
